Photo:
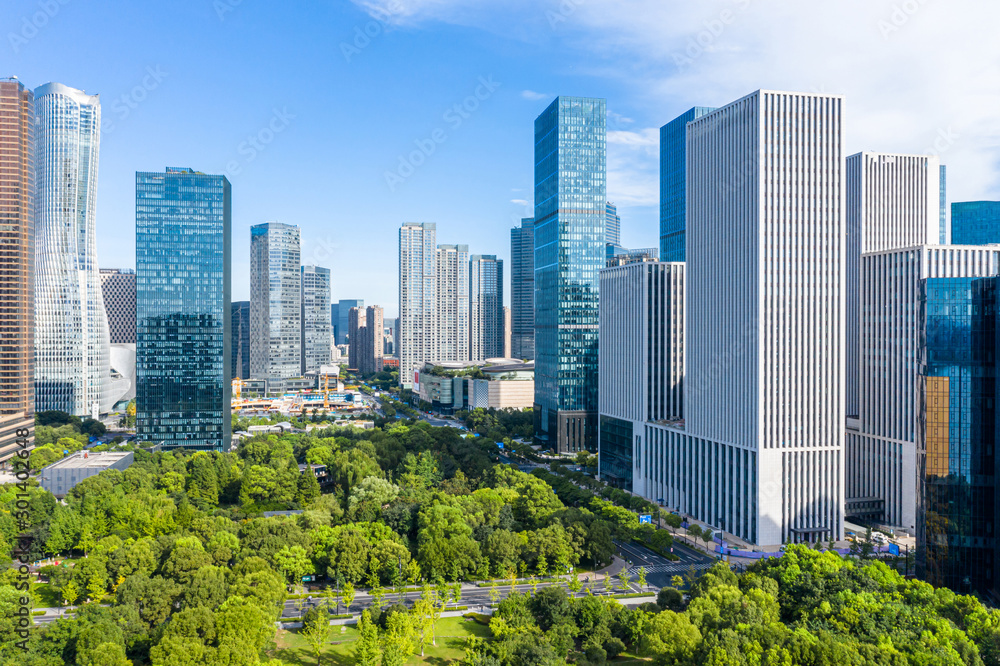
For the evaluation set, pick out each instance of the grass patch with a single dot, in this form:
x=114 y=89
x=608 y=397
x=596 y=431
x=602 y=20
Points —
x=45 y=596
x=451 y=634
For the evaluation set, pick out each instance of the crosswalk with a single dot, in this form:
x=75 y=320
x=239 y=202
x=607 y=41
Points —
x=672 y=568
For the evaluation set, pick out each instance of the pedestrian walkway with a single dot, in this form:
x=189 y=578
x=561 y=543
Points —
x=617 y=566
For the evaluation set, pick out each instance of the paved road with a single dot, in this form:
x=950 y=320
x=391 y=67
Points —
x=471 y=596
x=659 y=570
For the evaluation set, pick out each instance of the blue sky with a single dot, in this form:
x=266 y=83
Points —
x=336 y=92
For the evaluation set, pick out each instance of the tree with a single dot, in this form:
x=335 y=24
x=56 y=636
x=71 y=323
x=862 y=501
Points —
x=398 y=642
x=670 y=599
x=641 y=579
x=104 y=654
x=70 y=593
x=307 y=487
x=694 y=531
x=494 y=595
x=294 y=562
x=671 y=638
x=424 y=616
x=316 y=629
x=367 y=651
x=97 y=588
x=676 y=581
x=625 y=580
x=574 y=584
x=348 y=593
x=244 y=629
x=203 y=483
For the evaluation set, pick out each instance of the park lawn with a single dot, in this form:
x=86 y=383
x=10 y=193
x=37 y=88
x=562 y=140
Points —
x=451 y=634
x=45 y=596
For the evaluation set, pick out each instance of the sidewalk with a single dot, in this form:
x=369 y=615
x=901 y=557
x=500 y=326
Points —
x=617 y=566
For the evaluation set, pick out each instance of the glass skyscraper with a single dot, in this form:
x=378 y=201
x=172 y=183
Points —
x=241 y=340
x=673 y=183
x=522 y=290
x=486 y=316
x=570 y=214
x=72 y=341
x=612 y=225
x=956 y=533
x=338 y=316
x=975 y=223
x=183 y=316
x=316 y=328
x=275 y=301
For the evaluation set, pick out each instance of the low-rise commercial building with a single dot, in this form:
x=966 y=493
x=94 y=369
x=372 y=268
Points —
x=497 y=383
x=60 y=477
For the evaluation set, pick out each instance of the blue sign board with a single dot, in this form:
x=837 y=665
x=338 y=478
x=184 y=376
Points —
x=645 y=518
x=500 y=444
x=893 y=549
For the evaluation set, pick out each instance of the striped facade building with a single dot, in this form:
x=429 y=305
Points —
x=893 y=202
x=760 y=452
x=641 y=358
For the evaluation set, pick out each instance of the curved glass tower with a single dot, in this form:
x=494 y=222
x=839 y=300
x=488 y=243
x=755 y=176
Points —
x=72 y=343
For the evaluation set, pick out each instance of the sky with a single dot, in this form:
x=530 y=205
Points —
x=351 y=117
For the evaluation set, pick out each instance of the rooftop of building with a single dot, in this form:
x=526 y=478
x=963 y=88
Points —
x=89 y=459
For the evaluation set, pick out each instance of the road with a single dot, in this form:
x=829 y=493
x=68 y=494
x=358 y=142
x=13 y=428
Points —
x=471 y=596
x=659 y=570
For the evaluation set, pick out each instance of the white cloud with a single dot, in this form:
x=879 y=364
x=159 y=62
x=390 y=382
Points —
x=519 y=202
x=535 y=96
x=634 y=167
x=910 y=70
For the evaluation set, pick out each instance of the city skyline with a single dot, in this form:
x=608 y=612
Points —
x=147 y=105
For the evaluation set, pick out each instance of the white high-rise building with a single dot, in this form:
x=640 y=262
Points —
x=761 y=452
x=72 y=341
x=641 y=361
x=893 y=202
x=486 y=312
x=418 y=300
x=275 y=301
x=882 y=446
x=452 y=303
x=316 y=325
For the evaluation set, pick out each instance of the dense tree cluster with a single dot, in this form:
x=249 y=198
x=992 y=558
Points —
x=178 y=550
x=808 y=607
x=499 y=424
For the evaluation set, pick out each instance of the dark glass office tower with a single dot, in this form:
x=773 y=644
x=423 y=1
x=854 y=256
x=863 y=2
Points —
x=183 y=313
x=522 y=290
x=975 y=223
x=570 y=211
x=673 y=183
x=339 y=313
x=956 y=526
x=241 y=340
